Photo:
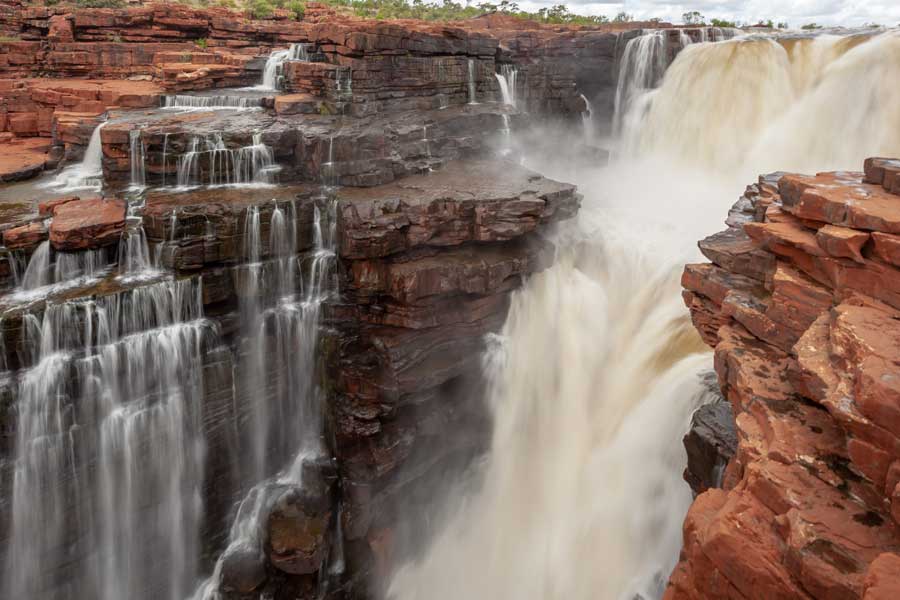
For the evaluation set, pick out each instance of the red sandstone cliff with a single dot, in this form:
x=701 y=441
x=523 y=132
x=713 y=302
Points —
x=802 y=305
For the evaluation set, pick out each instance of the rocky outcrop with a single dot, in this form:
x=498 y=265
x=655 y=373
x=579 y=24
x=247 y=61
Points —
x=801 y=304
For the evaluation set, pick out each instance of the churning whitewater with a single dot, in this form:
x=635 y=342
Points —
x=597 y=371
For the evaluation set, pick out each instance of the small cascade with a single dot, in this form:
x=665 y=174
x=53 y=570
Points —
x=138 y=159
x=472 y=93
x=281 y=328
x=273 y=73
x=165 y=153
x=86 y=175
x=684 y=39
x=109 y=448
x=641 y=69
x=185 y=102
x=506 y=78
x=587 y=119
x=329 y=171
x=134 y=251
x=48 y=267
x=427 y=141
x=210 y=162
x=507 y=136
x=343 y=88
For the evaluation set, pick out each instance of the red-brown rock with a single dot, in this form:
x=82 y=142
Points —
x=25 y=236
x=86 y=224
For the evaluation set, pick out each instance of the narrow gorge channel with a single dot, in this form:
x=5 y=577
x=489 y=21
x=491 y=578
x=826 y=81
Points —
x=337 y=308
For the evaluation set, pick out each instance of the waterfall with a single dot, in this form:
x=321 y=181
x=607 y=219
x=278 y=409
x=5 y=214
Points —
x=597 y=370
x=273 y=78
x=281 y=324
x=427 y=141
x=641 y=67
x=343 y=87
x=86 y=175
x=592 y=383
x=138 y=160
x=789 y=88
x=134 y=252
x=48 y=267
x=109 y=447
x=684 y=39
x=165 y=152
x=184 y=102
x=329 y=170
x=506 y=78
x=210 y=162
x=587 y=119
x=472 y=94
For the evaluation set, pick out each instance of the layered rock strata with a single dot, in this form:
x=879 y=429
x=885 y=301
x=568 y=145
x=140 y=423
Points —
x=801 y=304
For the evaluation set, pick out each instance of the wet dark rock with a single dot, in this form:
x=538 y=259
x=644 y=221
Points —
x=299 y=521
x=243 y=569
x=710 y=443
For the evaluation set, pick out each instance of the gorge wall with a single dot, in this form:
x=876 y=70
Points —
x=800 y=303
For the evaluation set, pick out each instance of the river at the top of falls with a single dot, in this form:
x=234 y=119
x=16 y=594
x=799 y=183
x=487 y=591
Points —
x=596 y=373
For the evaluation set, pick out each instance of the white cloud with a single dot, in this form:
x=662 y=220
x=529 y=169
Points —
x=795 y=12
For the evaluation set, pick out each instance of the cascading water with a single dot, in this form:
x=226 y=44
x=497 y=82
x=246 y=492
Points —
x=184 y=102
x=273 y=72
x=210 y=162
x=473 y=98
x=138 y=160
x=587 y=119
x=86 y=175
x=789 y=88
x=48 y=267
x=109 y=451
x=280 y=328
x=596 y=373
x=640 y=69
x=507 y=80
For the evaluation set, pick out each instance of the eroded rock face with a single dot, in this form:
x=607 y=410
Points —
x=801 y=305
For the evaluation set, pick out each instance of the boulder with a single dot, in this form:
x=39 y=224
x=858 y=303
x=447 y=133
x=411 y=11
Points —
x=84 y=224
x=298 y=523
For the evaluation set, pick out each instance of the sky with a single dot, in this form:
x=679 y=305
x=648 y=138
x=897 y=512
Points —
x=794 y=12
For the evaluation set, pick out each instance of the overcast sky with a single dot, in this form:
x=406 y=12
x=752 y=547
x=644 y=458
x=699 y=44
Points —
x=794 y=12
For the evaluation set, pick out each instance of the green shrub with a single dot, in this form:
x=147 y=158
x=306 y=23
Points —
x=202 y=43
x=261 y=9
x=722 y=23
x=811 y=26
x=297 y=8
